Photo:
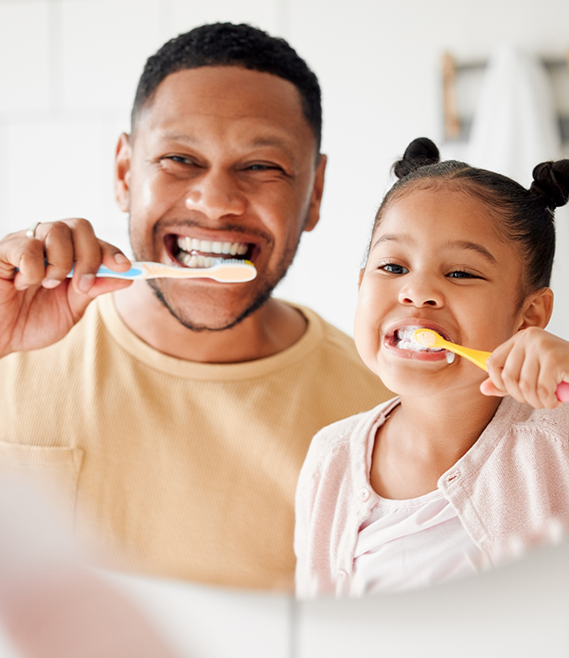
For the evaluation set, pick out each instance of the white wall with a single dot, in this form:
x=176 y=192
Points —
x=68 y=70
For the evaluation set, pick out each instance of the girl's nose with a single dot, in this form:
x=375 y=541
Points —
x=420 y=295
x=215 y=195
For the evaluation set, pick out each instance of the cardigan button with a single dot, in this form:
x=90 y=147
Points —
x=364 y=494
x=341 y=574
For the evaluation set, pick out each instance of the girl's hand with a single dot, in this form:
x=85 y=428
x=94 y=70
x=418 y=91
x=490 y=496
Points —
x=529 y=366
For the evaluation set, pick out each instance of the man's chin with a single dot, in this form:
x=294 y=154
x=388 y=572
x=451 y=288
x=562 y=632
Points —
x=214 y=320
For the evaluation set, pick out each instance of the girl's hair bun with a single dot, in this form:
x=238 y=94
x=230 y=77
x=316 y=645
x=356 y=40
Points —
x=551 y=181
x=421 y=152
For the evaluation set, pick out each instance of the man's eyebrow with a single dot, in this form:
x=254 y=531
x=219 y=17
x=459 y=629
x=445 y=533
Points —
x=461 y=244
x=179 y=137
x=256 y=142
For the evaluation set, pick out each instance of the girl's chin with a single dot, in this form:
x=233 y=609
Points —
x=426 y=378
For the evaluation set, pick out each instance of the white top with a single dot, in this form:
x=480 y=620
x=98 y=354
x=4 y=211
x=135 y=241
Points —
x=411 y=543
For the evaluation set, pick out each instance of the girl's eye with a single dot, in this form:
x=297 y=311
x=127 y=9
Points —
x=462 y=274
x=393 y=268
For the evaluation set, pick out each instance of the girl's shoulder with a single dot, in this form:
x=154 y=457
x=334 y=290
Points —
x=346 y=427
x=347 y=433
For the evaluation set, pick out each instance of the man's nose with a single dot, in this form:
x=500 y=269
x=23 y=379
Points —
x=420 y=293
x=216 y=194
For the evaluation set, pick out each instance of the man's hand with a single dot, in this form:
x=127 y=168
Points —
x=529 y=366
x=38 y=304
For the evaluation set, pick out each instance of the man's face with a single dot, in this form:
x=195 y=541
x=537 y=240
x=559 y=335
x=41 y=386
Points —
x=222 y=160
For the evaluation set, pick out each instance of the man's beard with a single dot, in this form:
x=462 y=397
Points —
x=262 y=296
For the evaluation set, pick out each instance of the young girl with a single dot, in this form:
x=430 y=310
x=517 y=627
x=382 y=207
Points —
x=434 y=483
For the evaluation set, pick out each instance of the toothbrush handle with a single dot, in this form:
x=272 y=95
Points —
x=562 y=392
x=103 y=271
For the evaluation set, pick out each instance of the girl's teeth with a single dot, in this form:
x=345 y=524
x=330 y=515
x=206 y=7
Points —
x=407 y=341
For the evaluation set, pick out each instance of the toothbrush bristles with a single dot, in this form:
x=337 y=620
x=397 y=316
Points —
x=426 y=337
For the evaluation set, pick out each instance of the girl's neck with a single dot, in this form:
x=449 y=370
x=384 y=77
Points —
x=423 y=438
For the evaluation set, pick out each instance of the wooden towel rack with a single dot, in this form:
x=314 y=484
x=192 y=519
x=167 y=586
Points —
x=451 y=69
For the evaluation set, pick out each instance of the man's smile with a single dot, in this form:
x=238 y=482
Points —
x=194 y=252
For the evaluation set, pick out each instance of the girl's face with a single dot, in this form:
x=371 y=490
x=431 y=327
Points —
x=437 y=260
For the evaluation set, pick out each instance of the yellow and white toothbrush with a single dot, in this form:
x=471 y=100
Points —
x=225 y=271
x=430 y=338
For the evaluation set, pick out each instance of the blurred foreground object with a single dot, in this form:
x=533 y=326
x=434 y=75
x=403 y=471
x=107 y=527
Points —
x=51 y=605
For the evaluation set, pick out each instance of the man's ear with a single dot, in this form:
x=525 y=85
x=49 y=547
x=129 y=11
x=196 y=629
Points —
x=537 y=309
x=317 y=192
x=122 y=172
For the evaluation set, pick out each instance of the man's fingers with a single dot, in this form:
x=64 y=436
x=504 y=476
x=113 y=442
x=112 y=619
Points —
x=87 y=255
x=59 y=252
x=113 y=257
x=28 y=257
x=56 y=249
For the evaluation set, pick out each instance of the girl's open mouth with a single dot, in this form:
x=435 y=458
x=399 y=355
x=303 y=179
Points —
x=402 y=342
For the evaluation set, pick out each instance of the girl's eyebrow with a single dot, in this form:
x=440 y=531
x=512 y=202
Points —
x=473 y=246
x=461 y=244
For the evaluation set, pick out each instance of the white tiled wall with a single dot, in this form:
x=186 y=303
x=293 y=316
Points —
x=68 y=70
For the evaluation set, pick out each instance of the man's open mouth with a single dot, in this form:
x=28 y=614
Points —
x=403 y=339
x=192 y=252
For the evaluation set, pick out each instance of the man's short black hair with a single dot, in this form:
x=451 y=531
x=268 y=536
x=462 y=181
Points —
x=225 y=44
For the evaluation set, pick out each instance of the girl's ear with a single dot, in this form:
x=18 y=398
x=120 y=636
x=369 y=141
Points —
x=537 y=309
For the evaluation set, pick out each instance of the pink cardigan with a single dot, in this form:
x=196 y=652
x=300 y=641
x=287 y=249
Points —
x=511 y=484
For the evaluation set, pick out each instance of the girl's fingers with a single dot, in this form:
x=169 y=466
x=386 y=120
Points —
x=528 y=383
x=487 y=388
x=528 y=367
x=504 y=369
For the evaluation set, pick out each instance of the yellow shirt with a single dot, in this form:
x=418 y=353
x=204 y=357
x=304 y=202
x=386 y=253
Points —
x=179 y=469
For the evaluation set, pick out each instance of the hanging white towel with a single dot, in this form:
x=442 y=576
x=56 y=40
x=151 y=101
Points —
x=515 y=128
x=515 y=125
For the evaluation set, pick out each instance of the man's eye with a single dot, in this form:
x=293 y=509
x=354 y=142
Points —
x=393 y=268
x=179 y=158
x=263 y=167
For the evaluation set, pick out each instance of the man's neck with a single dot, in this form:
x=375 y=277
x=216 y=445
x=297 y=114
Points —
x=269 y=330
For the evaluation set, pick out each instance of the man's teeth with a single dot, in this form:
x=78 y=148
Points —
x=212 y=247
x=191 y=260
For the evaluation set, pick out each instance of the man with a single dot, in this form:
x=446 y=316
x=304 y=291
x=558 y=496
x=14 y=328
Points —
x=175 y=414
